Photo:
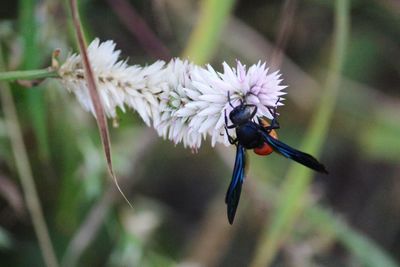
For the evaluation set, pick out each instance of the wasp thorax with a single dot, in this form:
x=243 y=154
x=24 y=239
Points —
x=241 y=114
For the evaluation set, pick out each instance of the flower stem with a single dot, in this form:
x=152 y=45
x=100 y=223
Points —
x=28 y=74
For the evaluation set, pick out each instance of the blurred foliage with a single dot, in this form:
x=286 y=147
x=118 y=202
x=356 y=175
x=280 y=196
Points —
x=179 y=212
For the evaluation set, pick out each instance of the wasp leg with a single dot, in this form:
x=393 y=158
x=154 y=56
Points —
x=254 y=111
x=226 y=122
x=231 y=140
x=262 y=122
x=274 y=109
x=273 y=126
x=274 y=122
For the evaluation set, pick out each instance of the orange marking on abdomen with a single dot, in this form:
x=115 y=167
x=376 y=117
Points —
x=264 y=150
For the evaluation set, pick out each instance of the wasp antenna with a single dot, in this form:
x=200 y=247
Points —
x=273 y=110
x=277 y=101
x=229 y=99
x=251 y=93
x=254 y=111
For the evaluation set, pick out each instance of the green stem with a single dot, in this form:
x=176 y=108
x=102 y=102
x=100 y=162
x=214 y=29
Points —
x=28 y=74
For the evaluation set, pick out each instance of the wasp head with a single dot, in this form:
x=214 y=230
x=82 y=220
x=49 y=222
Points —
x=242 y=114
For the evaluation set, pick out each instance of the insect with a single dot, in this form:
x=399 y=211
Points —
x=262 y=138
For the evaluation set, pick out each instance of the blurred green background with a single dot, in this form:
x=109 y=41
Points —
x=341 y=62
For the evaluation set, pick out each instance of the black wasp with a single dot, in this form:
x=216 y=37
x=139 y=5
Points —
x=262 y=138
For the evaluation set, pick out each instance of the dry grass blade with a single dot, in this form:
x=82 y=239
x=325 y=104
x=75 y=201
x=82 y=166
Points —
x=94 y=96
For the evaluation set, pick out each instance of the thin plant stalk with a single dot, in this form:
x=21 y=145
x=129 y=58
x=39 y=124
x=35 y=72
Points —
x=25 y=174
x=296 y=184
x=28 y=74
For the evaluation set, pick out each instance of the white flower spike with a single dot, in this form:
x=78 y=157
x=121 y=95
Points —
x=118 y=84
x=183 y=102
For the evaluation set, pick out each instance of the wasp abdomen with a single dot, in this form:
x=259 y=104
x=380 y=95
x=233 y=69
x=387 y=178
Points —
x=266 y=149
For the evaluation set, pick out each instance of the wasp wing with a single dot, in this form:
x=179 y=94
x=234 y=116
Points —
x=235 y=187
x=294 y=154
